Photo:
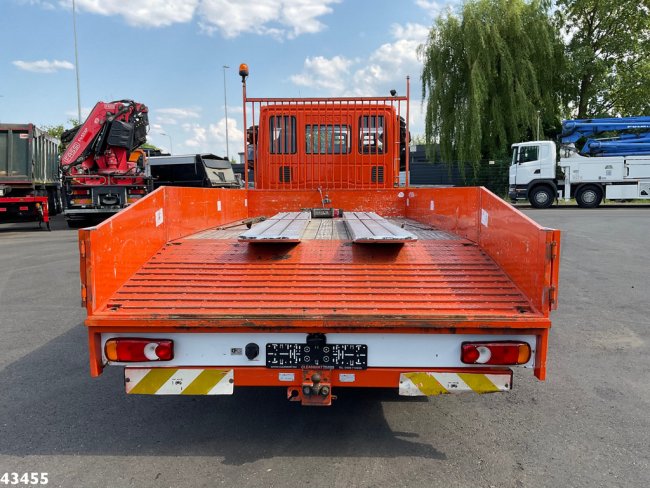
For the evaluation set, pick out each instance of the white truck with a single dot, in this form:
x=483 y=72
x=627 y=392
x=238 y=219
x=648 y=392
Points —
x=615 y=168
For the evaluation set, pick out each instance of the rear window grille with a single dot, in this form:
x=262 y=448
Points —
x=285 y=174
x=377 y=174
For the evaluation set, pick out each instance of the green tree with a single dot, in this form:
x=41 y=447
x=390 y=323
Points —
x=147 y=145
x=55 y=130
x=488 y=74
x=608 y=53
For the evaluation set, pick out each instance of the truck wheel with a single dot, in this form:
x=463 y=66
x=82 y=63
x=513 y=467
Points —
x=541 y=197
x=589 y=196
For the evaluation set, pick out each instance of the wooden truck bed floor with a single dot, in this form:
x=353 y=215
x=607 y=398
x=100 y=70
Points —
x=439 y=280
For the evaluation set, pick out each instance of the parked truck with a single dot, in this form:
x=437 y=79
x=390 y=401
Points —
x=326 y=275
x=103 y=169
x=29 y=174
x=196 y=170
x=599 y=158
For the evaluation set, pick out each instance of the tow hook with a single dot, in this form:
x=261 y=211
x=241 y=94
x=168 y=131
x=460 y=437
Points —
x=316 y=389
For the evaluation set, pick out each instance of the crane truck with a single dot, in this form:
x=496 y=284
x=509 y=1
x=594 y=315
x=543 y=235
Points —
x=30 y=190
x=613 y=163
x=103 y=170
x=327 y=274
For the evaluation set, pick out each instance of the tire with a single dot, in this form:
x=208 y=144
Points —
x=541 y=196
x=589 y=196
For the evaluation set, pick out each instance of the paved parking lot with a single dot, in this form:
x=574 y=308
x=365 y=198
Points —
x=587 y=425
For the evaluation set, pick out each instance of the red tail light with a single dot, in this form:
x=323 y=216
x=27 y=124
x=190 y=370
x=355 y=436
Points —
x=139 y=350
x=505 y=352
x=80 y=192
x=137 y=191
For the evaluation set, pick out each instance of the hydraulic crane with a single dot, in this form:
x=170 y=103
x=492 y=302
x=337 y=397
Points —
x=103 y=169
x=632 y=139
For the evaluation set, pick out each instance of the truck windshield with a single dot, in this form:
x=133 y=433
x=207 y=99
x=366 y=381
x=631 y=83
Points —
x=214 y=163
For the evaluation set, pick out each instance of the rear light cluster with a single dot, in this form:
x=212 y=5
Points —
x=77 y=191
x=139 y=350
x=137 y=191
x=502 y=353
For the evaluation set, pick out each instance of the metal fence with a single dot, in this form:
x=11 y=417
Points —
x=492 y=174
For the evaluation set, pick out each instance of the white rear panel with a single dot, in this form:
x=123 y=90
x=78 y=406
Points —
x=384 y=350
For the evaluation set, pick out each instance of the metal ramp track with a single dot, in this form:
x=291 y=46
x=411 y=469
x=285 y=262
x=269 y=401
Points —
x=282 y=227
x=370 y=228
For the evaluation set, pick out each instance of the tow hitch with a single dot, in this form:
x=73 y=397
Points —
x=316 y=389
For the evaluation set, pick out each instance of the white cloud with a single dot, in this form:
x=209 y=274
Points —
x=44 y=4
x=181 y=113
x=174 y=115
x=151 y=13
x=432 y=7
x=43 y=65
x=385 y=68
x=277 y=18
x=322 y=73
x=212 y=138
x=410 y=31
x=392 y=62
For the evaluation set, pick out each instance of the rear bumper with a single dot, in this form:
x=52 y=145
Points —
x=389 y=355
x=24 y=209
x=409 y=382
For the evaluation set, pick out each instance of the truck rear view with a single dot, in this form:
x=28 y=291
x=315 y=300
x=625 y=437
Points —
x=326 y=275
x=103 y=170
x=29 y=174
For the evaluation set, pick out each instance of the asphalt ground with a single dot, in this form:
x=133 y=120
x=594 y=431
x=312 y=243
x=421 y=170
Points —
x=587 y=425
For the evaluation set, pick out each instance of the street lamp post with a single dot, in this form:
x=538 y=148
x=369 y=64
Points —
x=171 y=147
x=225 y=103
x=76 y=58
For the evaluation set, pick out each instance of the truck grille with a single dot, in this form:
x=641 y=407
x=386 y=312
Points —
x=377 y=174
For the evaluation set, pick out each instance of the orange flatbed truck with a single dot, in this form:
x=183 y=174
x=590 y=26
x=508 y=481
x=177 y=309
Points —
x=351 y=281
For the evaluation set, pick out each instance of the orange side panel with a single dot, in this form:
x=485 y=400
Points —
x=189 y=210
x=452 y=209
x=119 y=246
x=519 y=247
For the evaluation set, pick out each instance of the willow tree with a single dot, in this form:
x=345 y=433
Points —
x=490 y=74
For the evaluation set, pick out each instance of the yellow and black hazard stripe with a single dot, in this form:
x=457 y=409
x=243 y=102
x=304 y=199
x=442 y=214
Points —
x=431 y=383
x=178 y=381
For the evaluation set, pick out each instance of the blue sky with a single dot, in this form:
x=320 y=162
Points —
x=169 y=55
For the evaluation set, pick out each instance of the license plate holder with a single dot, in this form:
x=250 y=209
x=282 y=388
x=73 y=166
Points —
x=320 y=356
